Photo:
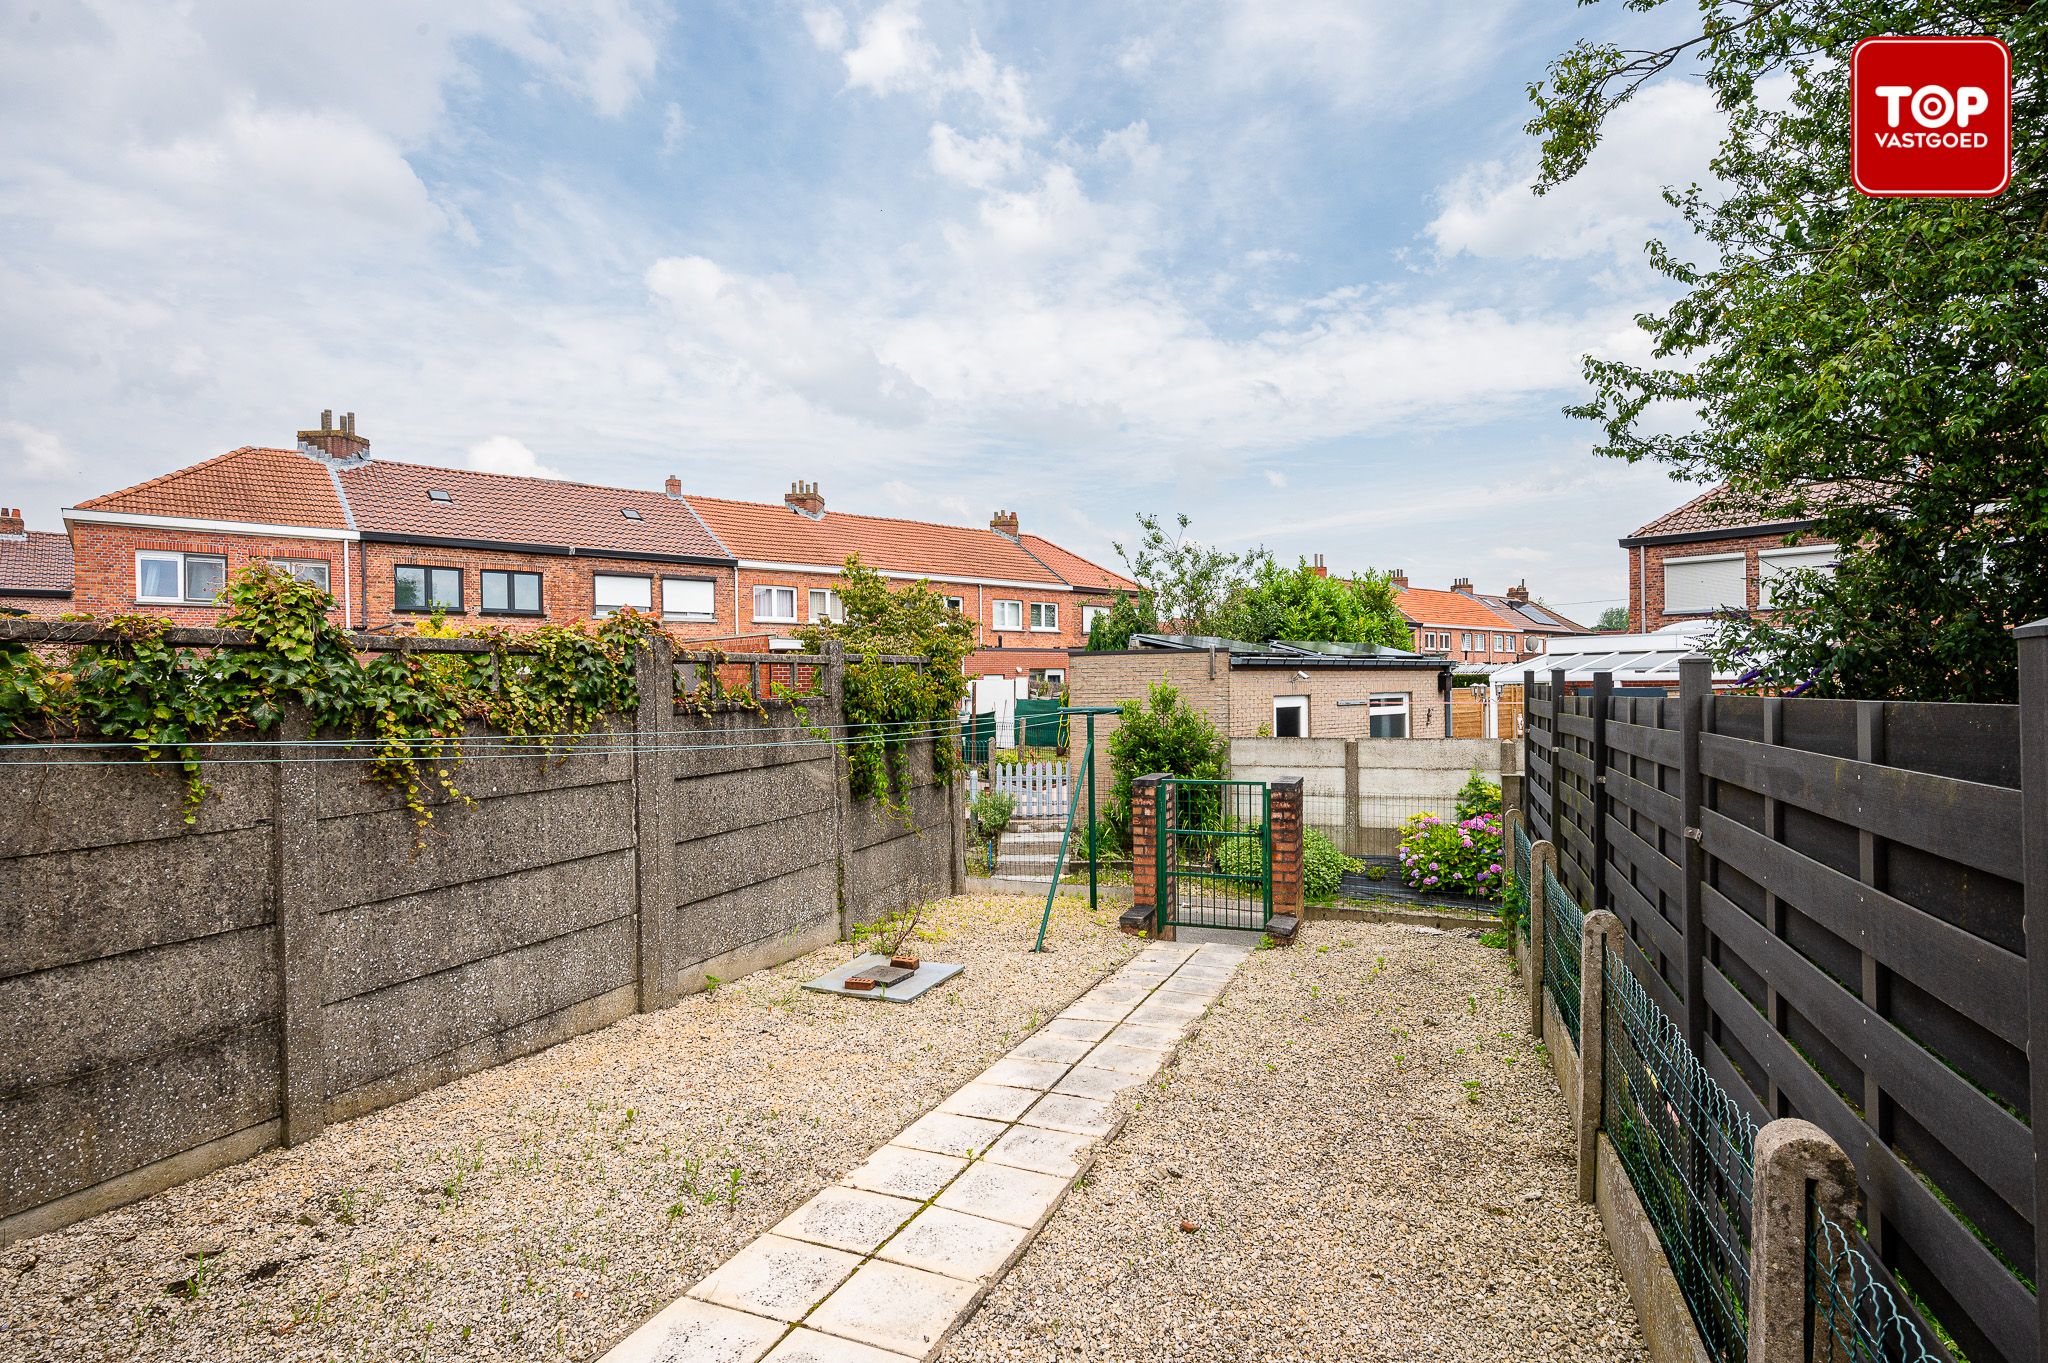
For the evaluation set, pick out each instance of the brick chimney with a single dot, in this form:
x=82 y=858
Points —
x=1398 y=579
x=1004 y=523
x=334 y=442
x=1463 y=584
x=1317 y=567
x=802 y=498
x=12 y=527
x=673 y=487
x=1519 y=592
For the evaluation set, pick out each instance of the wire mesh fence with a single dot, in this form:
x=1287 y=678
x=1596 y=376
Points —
x=1517 y=894
x=1563 y=923
x=1856 y=1317
x=1689 y=1151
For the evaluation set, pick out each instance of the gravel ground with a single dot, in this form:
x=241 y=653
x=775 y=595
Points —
x=1359 y=1154
x=543 y=1209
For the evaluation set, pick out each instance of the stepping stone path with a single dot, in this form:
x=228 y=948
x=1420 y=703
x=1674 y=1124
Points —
x=881 y=1267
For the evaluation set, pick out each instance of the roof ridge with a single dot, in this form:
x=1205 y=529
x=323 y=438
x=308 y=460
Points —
x=511 y=477
x=858 y=515
x=1104 y=569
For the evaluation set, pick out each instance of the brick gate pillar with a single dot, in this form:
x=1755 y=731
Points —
x=1286 y=834
x=1147 y=895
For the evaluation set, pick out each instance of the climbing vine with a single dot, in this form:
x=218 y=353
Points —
x=548 y=685
x=887 y=705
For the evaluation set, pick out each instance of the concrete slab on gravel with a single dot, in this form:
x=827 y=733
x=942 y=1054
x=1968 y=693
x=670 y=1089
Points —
x=776 y=1277
x=1110 y=1055
x=1079 y=1029
x=808 y=1346
x=1149 y=1036
x=892 y=1306
x=700 y=1332
x=928 y=976
x=1002 y=1193
x=993 y=1102
x=851 y=1219
x=900 y=1172
x=1060 y=1050
x=1060 y=1153
x=1023 y=1074
x=947 y=1134
x=1064 y=1112
x=971 y=1248
x=1088 y=1081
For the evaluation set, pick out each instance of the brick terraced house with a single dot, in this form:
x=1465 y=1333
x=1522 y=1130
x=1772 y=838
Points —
x=35 y=568
x=1465 y=627
x=1716 y=552
x=395 y=542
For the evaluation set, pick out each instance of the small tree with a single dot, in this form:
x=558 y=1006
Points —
x=1190 y=583
x=1161 y=733
x=1132 y=614
x=1614 y=617
x=1300 y=603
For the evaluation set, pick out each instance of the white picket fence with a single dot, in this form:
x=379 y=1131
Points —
x=1039 y=788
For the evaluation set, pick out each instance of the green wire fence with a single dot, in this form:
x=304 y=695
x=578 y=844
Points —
x=1562 y=924
x=1689 y=1151
x=1856 y=1316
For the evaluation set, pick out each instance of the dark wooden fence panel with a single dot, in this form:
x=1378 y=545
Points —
x=1830 y=898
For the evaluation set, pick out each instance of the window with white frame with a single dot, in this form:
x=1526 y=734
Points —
x=1500 y=643
x=504 y=592
x=1773 y=564
x=1702 y=583
x=775 y=604
x=1008 y=615
x=1090 y=614
x=1465 y=642
x=1045 y=616
x=957 y=603
x=688 y=598
x=166 y=576
x=614 y=592
x=825 y=605
x=313 y=570
x=1045 y=682
x=419 y=587
x=1387 y=715
x=1290 y=716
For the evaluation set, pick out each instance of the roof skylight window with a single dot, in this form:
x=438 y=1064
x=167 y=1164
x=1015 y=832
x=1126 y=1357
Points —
x=630 y=514
x=435 y=494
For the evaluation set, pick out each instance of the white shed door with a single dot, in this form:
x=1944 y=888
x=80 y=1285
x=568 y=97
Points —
x=1705 y=583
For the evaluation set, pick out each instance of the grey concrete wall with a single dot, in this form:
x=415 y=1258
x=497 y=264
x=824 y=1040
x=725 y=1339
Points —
x=175 y=998
x=1357 y=790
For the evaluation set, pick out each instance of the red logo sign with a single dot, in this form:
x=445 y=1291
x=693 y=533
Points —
x=1930 y=117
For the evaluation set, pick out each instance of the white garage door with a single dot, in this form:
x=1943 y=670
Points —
x=1772 y=563
x=1703 y=583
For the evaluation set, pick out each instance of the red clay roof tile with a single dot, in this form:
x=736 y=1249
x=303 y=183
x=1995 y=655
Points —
x=772 y=533
x=265 y=486
x=1075 y=569
x=391 y=498
x=1454 y=610
x=40 y=563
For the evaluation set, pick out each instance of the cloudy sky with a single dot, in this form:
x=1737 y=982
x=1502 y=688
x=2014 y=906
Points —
x=1270 y=262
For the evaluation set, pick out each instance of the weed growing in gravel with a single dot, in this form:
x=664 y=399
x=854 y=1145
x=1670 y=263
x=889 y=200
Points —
x=1400 y=1061
x=732 y=1190
x=1471 y=1087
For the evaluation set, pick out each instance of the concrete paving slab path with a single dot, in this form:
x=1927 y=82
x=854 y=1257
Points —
x=881 y=1267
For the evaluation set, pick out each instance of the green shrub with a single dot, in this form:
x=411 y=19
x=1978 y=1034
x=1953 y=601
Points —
x=1462 y=857
x=1159 y=734
x=1477 y=796
x=990 y=814
x=1322 y=865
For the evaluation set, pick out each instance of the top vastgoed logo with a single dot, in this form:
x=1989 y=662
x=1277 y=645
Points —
x=1931 y=117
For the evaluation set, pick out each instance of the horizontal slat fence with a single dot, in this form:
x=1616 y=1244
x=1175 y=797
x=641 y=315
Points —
x=1829 y=898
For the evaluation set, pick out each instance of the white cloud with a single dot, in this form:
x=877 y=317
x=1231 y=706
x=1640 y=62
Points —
x=504 y=454
x=827 y=27
x=1275 y=478
x=1393 y=59
x=893 y=53
x=1664 y=136
x=975 y=161
x=34 y=455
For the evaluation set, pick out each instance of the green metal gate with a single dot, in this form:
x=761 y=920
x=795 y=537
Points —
x=1215 y=851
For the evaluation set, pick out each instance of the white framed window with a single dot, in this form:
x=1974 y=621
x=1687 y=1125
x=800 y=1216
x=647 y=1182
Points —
x=1698 y=584
x=613 y=592
x=1045 y=617
x=956 y=603
x=775 y=604
x=418 y=587
x=1773 y=564
x=1008 y=615
x=688 y=598
x=1500 y=643
x=505 y=592
x=825 y=605
x=1387 y=715
x=1290 y=716
x=313 y=570
x=164 y=576
x=1090 y=614
x=1045 y=682
x=1465 y=642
